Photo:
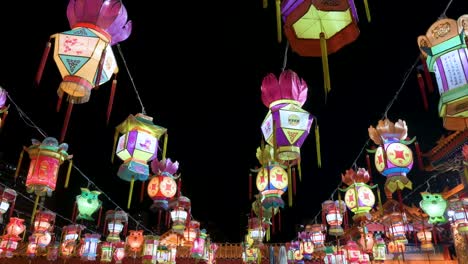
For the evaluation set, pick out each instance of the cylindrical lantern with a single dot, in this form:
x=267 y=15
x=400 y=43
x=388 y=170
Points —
x=116 y=221
x=256 y=230
x=89 y=247
x=43 y=224
x=317 y=235
x=87 y=203
x=106 y=252
x=119 y=252
x=46 y=158
x=9 y=241
x=334 y=211
x=191 y=231
x=286 y=125
x=180 y=210
x=136 y=147
x=444 y=48
x=70 y=237
x=434 y=205
x=395 y=224
x=330 y=257
x=393 y=158
x=163 y=186
x=7 y=199
x=353 y=252
x=150 y=249
x=135 y=240
x=379 y=251
x=198 y=247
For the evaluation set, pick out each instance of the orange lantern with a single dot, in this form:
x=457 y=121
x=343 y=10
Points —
x=162 y=186
x=135 y=240
x=191 y=231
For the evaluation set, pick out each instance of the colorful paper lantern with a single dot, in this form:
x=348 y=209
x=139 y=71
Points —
x=295 y=253
x=116 y=222
x=180 y=212
x=135 y=240
x=396 y=247
x=379 y=251
x=359 y=197
x=319 y=28
x=162 y=186
x=9 y=241
x=70 y=237
x=44 y=222
x=3 y=107
x=83 y=54
x=395 y=226
x=458 y=211
x=317 y=235
x=191 y=231
x=31 y=249
x=53 y=251
x=366 y=241
x=198 y=247
x=393 y=158
x=256 y=230
x=137 y=145
x=307 y=245
x=334 y=211
x=87 y=203
x=89 y=247
x=353 y=252
x=119 y=252
x=444 y=48
x=7 y=201
x=286 y=125
x=106 y=252
x=434 y=205
x=150 y=249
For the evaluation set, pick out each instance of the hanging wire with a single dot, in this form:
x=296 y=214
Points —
x=143 y=111
x=285 y=58
x=30 y=123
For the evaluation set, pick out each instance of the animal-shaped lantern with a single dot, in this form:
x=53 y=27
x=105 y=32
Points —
x=317 y=28
x=434 y=205
x=286 y=124
x=83 y=54
x=137 y=145
x=444 y=50
x=163 y=186
x=87 y=203
x=3 y=107
x=135 y=240
x=393 y=158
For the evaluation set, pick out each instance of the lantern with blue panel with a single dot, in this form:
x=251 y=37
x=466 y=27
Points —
x=444 y=47
x=137 y=145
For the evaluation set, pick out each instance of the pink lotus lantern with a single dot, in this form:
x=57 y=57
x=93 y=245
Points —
x=135 y=240
x=7 y=201
x=198 y=247
x=334 y=211
x=286 y=125
x=162 y=187
x=9 y=241
x=150 y=249
x=180 y=211
x=393 y=158
x=116 y=222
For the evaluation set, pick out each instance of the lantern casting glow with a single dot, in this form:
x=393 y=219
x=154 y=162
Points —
x=434 y=205
x=87 y=203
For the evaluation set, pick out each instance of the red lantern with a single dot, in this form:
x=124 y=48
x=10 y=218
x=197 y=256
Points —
x=43 y=224
x=163 y=187
x=334 y=211
x=316 y=232
x=353 y=252
x=10 y=241
x=70 y=238
x=119 y=252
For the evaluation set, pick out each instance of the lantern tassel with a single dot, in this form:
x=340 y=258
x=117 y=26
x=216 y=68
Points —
x=279 y=220
x=427 y=75
x=268 y=234
x=65 y=122
x=142 y=191
x=18 y=166
x=422 y=90
x=380 y=202
x=250 y=186
x=293 y=176
x=116 y=137
x=278 y=21
x=2 y=121
x=317 y=146
x=165 y=145
x=419 y=155
x=290 y=194
x=132 y=181
x=111 y=99
x=40 y=70
x=273 y=225
x=368 y=15
x=73 y=217
x=70 y=166
x=326 y=73
x=34 y=210
x=299 y=169
x=12 y=208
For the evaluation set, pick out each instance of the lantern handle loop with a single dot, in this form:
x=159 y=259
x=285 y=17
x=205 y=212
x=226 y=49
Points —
x=428 y=186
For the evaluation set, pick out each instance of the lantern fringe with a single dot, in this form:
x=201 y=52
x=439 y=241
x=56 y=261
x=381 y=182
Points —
x=12 y=208
x=116 y=137
x=40 y=70
x=20 y=160
x=422 y=90
x=65 y=122
x=419 y=156
x=299 y=169
x=273 y=225
x=132 y=181
x=326 y=73
x=59 y=103
x=165 y=145
x=368 y=15
x=73 y=216
x=67 y=179
x=380 y=202
x=427 y=75
x=290 y=194
x=317 y=146
x=279 y=220
x=278 y=21
x=111 y=99
x=99 y=217
x=265 y=3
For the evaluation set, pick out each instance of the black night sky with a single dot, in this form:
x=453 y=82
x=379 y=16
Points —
x=198 y=67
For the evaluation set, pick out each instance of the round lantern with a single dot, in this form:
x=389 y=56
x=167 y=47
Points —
x=150 y=249
x=179 y=213
x=89 y=247
x=334 y=211
x=137 y=146
x=444 y=48
x=393 y=158
x=395 y=224
x=135 y=240
x=379 y=251
x=162 y=187
x=7 y=200
x=87 y=203
x=272 y=182
x=116 y=221
x=434 y=205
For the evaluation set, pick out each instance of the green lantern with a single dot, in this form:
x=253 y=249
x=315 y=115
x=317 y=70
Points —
x=87 y=203
x=434 y=205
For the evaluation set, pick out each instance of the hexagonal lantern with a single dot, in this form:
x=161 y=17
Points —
x=444 y=47
x=150 y=249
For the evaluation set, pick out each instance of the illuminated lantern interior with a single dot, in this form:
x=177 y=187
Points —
x=198 y=247
x=395 y=227
x=71 y=235
x=191 y=231
x=353 y=251
x=135 y=240
x=434 y=205
x=162 y=187
x=106 y=251
x=180 y=209
x=334 y=211
x=367 y=241
x=116 y=221
x=317 y=235
x=425 y=237
x=256 y=231
x=150 y=249
x=87 y=203
x=7 y=197
x=89 y=248
x=119 y=251
x=380 y=249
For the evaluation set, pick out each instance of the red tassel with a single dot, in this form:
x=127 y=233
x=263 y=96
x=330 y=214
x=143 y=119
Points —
x=250 y=186
x=73 y=212
x=419 y=156
x=293 y=176
x=99 y=71
x=42 y=63
x=427 y=75
x=65 y=123
x=422 y=90
x=99 y=217
x=104 y=228
x=2 y=122
x=415 y=237
x=369 y=168
x=59 y=103
x=111 y=99
x=142 y=191
x=12 y=208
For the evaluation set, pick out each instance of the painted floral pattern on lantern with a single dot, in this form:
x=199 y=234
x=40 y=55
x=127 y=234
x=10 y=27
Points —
x=168 y=187
x=399 y=154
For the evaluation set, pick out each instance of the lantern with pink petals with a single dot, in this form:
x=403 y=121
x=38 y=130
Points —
x=162 y=187
x=3 y=107
x=286 y=125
